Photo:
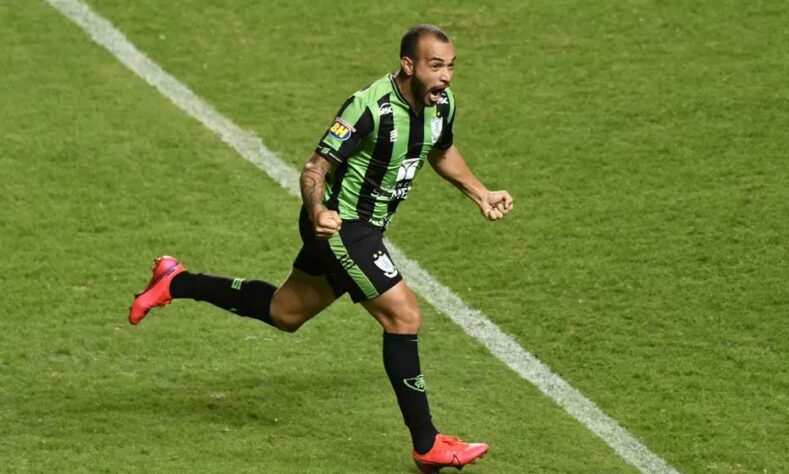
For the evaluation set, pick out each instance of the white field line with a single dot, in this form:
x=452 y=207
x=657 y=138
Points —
x=473 y=322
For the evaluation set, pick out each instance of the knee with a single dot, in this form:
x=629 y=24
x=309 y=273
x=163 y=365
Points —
x=284 y=317
x=407 y=320
x=287 y=322
x=289 y=326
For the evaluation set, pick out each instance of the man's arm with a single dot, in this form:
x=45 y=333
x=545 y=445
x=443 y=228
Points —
x=450 y=165
x=325 y=222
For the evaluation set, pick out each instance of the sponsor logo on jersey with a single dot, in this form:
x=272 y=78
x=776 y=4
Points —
x=385 y=109
x=384 y=263
x=341 y=130
x=393 y=135
x=380 y=222
x=402 y=185
x=408 y=169
x=405 y=175
x=436 y=126
x=401 y=192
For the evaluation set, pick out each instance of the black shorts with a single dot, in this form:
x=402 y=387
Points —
x=353 y=260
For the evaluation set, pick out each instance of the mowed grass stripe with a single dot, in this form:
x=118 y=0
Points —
x=644 y=144
x=100 y=175
x=445 y=301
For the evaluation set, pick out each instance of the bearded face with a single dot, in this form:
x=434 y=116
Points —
x=432 y=70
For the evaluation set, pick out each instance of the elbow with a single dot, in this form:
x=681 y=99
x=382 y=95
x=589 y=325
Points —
x=308 y=166
x=317 y=165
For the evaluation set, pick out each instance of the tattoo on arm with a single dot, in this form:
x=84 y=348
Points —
x=309 y=187
x=311 y=182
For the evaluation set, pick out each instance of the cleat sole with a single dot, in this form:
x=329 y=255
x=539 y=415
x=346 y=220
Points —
x=435 y=468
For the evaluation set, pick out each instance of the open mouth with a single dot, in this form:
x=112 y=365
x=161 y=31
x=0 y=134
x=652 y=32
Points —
x=435 y=93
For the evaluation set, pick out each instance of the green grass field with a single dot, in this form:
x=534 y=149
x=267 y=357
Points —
x=645 y=143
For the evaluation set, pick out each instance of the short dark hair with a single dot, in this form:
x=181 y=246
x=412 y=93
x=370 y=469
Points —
x=410 y=40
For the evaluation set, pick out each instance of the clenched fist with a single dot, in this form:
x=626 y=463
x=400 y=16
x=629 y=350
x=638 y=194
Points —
x=495 y=205
x=326 y=223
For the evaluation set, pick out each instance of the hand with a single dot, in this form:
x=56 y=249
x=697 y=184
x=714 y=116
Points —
x=495 y=205
x=326 y=223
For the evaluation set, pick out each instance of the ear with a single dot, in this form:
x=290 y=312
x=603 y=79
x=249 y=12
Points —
x=407 y=65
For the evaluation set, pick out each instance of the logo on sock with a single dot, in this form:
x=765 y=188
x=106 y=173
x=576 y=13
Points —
x=417 y=383
x=236 y=285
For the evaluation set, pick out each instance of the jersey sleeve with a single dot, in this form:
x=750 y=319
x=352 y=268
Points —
x=354 y=121
x=448 y=110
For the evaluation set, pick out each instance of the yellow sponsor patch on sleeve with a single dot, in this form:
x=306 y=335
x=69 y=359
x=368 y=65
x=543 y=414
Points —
x=340 y=129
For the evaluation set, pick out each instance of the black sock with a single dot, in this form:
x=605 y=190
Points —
x=250 y=298
x=401 y=361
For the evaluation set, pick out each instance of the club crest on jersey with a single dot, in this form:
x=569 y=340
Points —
x=385 y=109
x=341 y=130
x=384 y=263
x=436 y=126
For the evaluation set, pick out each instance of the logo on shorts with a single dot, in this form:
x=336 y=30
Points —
x=417 y=383
x=382 y=261
x=340 y=129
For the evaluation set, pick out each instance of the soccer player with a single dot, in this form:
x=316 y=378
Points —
x=351 y=186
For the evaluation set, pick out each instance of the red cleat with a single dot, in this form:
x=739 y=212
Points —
x=449 y=451
x=157 y=293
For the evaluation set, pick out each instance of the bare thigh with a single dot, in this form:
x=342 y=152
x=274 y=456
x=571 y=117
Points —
x=397 y=310
x=299 y=299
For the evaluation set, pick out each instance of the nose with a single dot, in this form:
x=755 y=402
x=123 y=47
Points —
x=445 y=76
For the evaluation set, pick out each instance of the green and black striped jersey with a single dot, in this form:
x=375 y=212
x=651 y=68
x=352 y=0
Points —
x=378 y=144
